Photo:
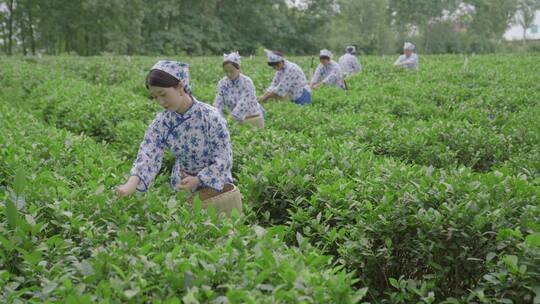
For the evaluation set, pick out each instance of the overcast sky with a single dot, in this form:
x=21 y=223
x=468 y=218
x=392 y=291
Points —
x=515 y=32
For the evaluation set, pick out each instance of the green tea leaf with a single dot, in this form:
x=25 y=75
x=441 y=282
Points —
x=20 y=182
x=12 y=214
x=533 y=239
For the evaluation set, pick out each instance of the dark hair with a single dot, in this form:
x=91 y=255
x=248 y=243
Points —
x=273 y=64
x=159 y=78
x=324 y=57
x=234 y=64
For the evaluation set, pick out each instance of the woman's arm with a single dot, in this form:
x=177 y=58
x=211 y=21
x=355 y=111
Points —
x=148 y=162
x=218 y=100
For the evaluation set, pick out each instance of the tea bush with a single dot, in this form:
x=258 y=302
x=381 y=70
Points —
x=66 y=238
x=410 y=187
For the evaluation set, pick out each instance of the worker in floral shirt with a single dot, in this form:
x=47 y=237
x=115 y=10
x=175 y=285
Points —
x=328 y=72
x=409 y=59
x=349 y=63
x=289 y=81
x=193 y=131
x=236 y=93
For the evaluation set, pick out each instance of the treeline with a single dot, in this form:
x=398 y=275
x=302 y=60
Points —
x=193 y=27
x=442 y=26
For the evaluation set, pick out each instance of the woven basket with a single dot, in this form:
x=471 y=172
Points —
x=287 y=97
x=223 y=201
x=256 y=121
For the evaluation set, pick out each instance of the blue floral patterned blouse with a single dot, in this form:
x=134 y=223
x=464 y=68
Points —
x=290 y=81
x=238 y=96
x=199 y=140
x=329 y=75
x=349 y=64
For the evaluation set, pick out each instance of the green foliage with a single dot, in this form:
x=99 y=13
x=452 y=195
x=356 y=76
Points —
x=412 y=187
x=97 y=27
x=71 y=240
x=93 y=27
x=491 y=18
x=363 y=23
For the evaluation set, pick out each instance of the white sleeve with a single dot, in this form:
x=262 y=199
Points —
x=218 y=101
x=316 y=75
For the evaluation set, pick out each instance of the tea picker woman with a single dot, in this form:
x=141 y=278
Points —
x=289 y=82
x=349 y=63
x=237 y=93
x=196 y=134
x=328 y=72
x=409 y=59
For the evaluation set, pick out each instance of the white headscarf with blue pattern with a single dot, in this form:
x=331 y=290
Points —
x=232 y=57
x=326 y=53
x=176 y=69
x=273 y=57
x=408 y=46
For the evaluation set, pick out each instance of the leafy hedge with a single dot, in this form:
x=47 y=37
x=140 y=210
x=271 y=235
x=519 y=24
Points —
x=424 y=185
x=65 y=237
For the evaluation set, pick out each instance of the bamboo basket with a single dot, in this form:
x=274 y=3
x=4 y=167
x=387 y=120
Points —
x=256 y=121
x=223 y=201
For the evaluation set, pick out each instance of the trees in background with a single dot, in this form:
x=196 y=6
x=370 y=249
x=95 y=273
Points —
x=192 y=27
x=364 y=23
x=525 y=16
x=420 y=15
x=444 y=26
x=90 y=27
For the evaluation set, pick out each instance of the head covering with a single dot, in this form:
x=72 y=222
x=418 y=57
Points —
x=273 y=57
x=325 y=53
x=232 y=57
x=408 y=46
x=176 y=69
x=351 y=49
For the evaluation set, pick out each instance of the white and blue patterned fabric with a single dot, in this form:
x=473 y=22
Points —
x=238 y=96
x=408 y=46
x=410 y=62
x=291 y=81
x=349 y=64
x=176 y=69
x=329 y=74
x=198 y=139
x=326 y=53
x=232 y=57
x=272 y=57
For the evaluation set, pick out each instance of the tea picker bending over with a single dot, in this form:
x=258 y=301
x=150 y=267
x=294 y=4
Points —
x=236 y=92
x=196 y=134
x=328 y=72
x=349 y=63
x=289 y=82
x=409 y=59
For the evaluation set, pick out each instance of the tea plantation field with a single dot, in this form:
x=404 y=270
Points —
x=414 y=187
